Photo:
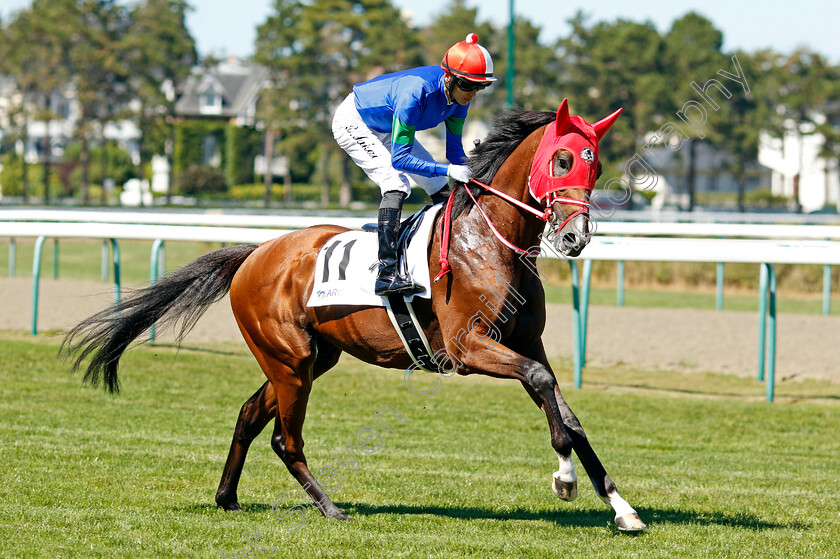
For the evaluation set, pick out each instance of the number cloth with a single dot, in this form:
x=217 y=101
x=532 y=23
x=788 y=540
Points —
x=345 y=274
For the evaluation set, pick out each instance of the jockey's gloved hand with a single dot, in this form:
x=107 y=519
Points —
x=460 y=173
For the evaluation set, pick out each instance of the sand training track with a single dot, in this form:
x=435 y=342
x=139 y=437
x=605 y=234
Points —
x=808 y=346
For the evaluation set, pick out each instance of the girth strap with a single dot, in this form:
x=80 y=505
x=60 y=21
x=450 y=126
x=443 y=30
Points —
x=405 y=322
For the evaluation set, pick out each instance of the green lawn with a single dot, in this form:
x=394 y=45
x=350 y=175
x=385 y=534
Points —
x=712 y=469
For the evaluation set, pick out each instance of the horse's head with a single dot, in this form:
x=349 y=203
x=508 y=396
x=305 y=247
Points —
x=563 y=174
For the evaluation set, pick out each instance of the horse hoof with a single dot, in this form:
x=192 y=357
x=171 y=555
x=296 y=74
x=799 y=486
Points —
x=630 y=523
x=564 y=489
x=228 y=502
x=338 y=515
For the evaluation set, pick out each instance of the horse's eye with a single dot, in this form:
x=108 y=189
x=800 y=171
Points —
x=562 y=163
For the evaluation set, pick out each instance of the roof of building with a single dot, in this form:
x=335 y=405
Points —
x=238 y=84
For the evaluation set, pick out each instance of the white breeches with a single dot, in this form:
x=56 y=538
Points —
x=371 y=151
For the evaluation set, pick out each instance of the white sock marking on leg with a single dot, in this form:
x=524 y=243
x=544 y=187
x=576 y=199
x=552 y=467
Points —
x=566 y=472
x=619 y=505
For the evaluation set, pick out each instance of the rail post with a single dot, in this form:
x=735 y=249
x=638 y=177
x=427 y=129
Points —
x=155 y=269
x=12 y=257
x=576 y=338
x=619 y=279
x=771 y=350
x=36 y=281
x=117 y=287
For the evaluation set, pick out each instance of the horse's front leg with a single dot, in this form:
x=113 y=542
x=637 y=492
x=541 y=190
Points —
x=626 y=518
x=565 y=430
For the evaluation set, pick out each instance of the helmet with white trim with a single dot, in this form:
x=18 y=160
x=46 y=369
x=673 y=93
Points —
x=469 y=60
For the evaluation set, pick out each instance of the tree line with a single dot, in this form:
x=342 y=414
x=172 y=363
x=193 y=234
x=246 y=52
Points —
x=131 y=62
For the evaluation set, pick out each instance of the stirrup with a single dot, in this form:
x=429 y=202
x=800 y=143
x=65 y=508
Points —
x=396 y=285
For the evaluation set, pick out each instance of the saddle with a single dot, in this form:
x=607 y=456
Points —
x=407 y=231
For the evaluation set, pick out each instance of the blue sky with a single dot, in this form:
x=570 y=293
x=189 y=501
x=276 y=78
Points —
x=225 y=26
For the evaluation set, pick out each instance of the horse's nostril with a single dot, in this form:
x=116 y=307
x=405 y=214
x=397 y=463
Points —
x=570 y=239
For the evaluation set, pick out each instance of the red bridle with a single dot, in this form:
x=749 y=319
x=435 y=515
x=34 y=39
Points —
x=570 y=133
x=547 y=215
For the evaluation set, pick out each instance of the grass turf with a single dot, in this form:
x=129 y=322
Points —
x=712 y=469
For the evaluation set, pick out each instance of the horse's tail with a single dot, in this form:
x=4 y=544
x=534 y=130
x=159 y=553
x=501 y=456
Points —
x=178 y=299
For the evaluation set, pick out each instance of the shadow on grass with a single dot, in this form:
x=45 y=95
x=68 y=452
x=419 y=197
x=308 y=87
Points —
x=595 y=517
x=583 y=518
x=193 y=349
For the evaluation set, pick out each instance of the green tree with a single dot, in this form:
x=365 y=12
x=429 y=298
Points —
x=99 y=74
x=315 y=51
x=160 y=53
x=805 y=94
x=693 y=54
x=602 y=73
x=744 y=116
x=38 y=43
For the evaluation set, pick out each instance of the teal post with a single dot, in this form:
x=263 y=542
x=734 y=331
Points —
x=619 y=290
x=576 y=339
x=719 y=281
x=12 y=257
x=36 y=280
x=771 y=352
x=762 y=319
x=827 y=289
x=155 y=269
x=584 y=314
x=116 y=247
x=510 y=68
x=55 y=258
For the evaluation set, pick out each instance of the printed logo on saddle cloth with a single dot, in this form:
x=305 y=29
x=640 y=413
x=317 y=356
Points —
x=345 y=272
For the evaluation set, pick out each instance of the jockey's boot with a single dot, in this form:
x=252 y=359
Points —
x=390 y=281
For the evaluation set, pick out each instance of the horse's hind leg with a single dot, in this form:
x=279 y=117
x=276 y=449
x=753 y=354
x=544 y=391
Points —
x=292 y=393
x=255 y=414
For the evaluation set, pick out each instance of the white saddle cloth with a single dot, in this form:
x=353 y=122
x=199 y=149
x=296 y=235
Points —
x=345 y=273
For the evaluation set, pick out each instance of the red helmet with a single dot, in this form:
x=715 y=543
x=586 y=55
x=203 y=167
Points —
x=469 y=60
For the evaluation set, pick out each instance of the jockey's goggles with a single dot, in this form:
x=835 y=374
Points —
x=467 y=85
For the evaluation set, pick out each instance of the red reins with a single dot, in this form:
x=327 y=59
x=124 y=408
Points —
x=446 y=221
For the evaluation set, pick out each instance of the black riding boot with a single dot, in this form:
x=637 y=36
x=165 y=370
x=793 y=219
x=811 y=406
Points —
x=390 y=281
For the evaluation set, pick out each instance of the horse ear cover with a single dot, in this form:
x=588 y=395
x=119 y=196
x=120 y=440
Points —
x=563 y=121
x=605 y=124
x=601 y=127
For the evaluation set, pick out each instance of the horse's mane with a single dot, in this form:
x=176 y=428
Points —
x=509 y=130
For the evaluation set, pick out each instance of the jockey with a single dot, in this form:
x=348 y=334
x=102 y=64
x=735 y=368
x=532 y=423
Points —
x=376 y=124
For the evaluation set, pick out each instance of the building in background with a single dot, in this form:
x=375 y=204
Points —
x=799 y=169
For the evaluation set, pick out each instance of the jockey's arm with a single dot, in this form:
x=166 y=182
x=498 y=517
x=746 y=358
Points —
x=454 y=131
x=402 y=140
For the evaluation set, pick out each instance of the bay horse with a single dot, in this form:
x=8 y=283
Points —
x=488 y=313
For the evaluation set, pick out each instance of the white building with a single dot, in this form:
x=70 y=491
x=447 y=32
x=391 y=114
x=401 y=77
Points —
x=798 y=171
